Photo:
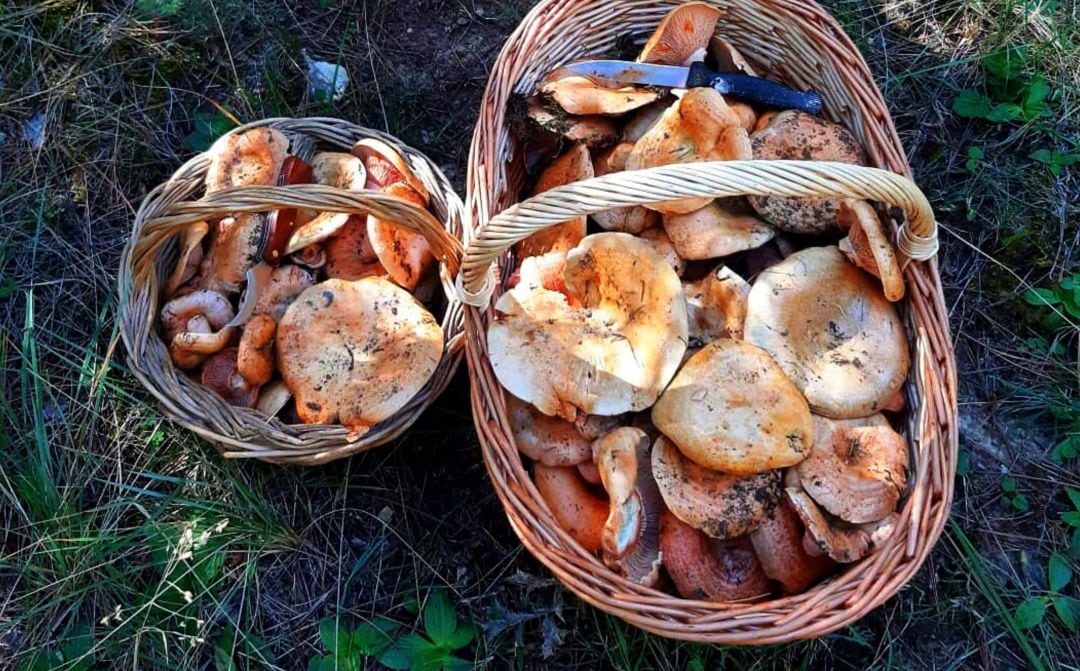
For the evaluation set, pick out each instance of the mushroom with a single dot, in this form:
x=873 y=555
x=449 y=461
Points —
x=349 y=254
x=726 y=58
x=842 y=542
x=544 y=271
x=576 y=508
x=573 y=166
x=722 y=505
x=286 y=283
x=339 y=170
x=195 y=325
x=552 y=441
x=631 y=535
x=593 y=130
x=589 y=472
x=405 y=255
x=626 y=219
x=251 y=158
x=612 y=355
x=356 y=352
x=698 y=127
x=709 y=569
x=255 y=357
x=581 y=96
x=273 y=397
x=730 y=408
x=797 y=135
x=857 y=469
x=778 y=544
x=191 y=255
x=682 y=36
x=658 y=239
x=645 y=118
x=724 y=226
x=219 y=373
x=867 y=246
x=716 y=306
x=831 y=331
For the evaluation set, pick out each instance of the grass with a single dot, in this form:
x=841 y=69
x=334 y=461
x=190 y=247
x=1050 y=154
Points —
x=125 y=542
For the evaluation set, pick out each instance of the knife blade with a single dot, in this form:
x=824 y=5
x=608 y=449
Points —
x=754 y=89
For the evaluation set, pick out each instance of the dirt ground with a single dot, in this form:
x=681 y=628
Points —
x=101 y=100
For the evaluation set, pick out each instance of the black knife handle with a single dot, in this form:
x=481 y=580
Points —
x=753 y=89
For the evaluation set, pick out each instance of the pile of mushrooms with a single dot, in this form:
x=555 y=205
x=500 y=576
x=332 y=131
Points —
x=704 y=387
x=318 y=317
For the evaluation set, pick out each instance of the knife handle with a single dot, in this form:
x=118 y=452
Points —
x=754 y=89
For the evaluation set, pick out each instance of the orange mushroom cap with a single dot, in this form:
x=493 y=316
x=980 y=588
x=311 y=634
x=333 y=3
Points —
x=682 y=36
x=709 y=569
x=219 y=373
x=572 y=166
x=576 y=508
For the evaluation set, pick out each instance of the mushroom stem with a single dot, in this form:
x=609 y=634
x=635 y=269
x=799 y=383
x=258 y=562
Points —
x=577 y=510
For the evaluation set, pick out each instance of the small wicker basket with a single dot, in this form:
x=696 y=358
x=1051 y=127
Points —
x=151 y=253
x=800 y=44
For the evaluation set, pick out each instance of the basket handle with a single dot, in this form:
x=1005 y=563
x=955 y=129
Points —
x=916 y=239
x=446 y=248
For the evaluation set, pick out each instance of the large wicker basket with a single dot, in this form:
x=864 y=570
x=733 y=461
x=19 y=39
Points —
x=796 y=42
x=151 y=253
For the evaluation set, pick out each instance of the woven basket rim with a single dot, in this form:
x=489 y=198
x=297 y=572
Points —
x=557 y=31
x=243 y=432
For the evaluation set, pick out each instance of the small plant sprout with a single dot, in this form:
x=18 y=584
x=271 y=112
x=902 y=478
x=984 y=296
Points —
x=348 y=649
x=1032 y=610
x=1011 y=497
x=974 y=157
x=1010 y=95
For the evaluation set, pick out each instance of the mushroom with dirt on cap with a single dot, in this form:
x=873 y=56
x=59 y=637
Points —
x=857 y=469
x=631 y=535
x=356 y=352
x=614 y=354
x=730 y=408
x=796 y=135
x=830 y=329
x=720 y=504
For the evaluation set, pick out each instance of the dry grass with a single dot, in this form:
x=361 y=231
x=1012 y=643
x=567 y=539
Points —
x=96 y=492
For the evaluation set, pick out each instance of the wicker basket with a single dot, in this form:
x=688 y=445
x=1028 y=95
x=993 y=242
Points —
x=151 y=253
x=800 y=44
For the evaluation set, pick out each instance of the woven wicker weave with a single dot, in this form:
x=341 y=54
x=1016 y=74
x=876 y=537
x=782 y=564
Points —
x=151 y=253
x=800 y=44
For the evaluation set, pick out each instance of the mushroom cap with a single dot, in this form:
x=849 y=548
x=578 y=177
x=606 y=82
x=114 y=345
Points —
x=219 y=373
x=747 y=115
x=235 y=247
x=552 y=441
x=286 y=283
x=544 y=271
x=255 y=357
x=631 y=534
x=592 y=130
x=730 y=408
x=641 y=120
x=572 y=166
x=657 y=238
x=339 y=170
x=612 y=355
x=831 y=330
x=576 y=508
x=211 y=305
x=311 y=257
x=843 y=543
x=625 y=219
x=589 y=472
x=356 y=352
x=796 y=135
x=724 y=226
x=581 y=96
x=716 y=306
x=250 y=158
x=778 y=543
x=720 y=504
x=698 y=127
x=709 y=569
x=683 y=33
x=725 y=57
x=349 y=254
x=867 y=246
x=857 y=468
x=405 y=255
x=273 y=397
